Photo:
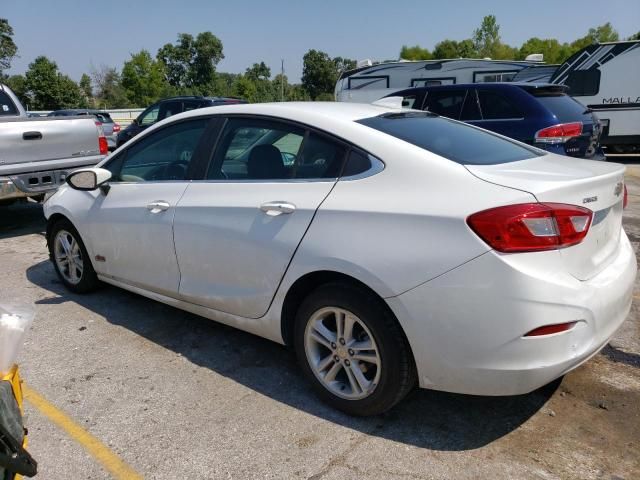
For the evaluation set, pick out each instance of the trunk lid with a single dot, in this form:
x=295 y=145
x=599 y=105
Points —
x=595 y=185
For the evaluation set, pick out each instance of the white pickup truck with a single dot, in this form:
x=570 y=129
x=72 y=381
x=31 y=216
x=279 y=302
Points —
x=36 y=154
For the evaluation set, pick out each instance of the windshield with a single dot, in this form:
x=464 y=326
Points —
x=458 y=142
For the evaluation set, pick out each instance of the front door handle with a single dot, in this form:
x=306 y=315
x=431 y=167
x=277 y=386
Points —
x=273 y=209
x=158 y=206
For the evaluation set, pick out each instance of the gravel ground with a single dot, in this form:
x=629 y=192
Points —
x=178 y=396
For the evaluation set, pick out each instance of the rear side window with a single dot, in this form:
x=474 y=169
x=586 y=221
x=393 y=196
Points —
x=452 y=140
x=583 y=82
x=495 y=106
x=565 y=108
x=6 y=105
x=471 y=108
x=446 y=103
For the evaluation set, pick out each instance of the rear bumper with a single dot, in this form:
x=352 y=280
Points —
x=32 y=184
x=466 y=327
x=9 y=191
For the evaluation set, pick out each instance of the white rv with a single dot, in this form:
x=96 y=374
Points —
x=606 y=78
x=368 y=82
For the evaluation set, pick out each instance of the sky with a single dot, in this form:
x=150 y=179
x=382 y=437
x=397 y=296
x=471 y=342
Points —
x=81 y=35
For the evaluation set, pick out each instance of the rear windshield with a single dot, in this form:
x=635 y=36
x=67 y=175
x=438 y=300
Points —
x=103 y=117
x=455 y=141
x=6 y=105
x=564 y=107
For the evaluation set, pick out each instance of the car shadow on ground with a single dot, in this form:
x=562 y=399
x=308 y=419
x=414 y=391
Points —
x=427 y=419
x=21 y=219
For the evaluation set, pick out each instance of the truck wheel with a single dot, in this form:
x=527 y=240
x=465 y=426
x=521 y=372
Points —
x=70 y=258
x=353 y=350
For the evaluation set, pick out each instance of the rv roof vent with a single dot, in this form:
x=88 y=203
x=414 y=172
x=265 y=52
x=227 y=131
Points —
x=535 y=57
x=364 y=63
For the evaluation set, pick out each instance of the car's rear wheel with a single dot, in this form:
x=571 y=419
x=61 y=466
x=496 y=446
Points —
x=70 y=258
x=352 y=350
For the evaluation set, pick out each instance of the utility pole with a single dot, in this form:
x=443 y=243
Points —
x=282 y=80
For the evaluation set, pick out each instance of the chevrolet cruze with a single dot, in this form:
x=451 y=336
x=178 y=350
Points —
x=388 y=247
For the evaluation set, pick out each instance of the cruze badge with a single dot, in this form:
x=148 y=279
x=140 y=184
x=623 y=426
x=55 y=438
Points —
x=590 y=199
x=618 y=190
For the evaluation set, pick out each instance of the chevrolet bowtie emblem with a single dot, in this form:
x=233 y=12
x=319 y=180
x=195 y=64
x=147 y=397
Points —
x=618 y=190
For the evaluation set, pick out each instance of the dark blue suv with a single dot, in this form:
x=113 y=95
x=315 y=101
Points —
x=538 y=114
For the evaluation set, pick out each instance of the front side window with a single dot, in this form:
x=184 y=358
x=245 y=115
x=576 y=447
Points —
x=254 y=149
x=168 y=109
x=458 y=142
x=164 y=155
x=495 y=106
x=149 y=117
x=445 y=103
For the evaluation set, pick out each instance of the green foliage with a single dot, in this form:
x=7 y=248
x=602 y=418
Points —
x=320 y=72
x=453 y=49
x=8 y=48
x=634 y=37
x=47 y=89
x=486 y=38
x=109 y=90
x=17 y=84
x=553 y=51
x=244 y=88
x=258 y=71
x=415 y=53
x=191 y=62
x=143 y=79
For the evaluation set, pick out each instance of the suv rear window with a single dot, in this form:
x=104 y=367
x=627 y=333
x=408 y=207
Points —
x=6 y=105
x=565 y=108
x=455 y=141
x=103 y=117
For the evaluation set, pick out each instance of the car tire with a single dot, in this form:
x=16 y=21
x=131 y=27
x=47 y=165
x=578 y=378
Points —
x=65 y=243
x=348 y=375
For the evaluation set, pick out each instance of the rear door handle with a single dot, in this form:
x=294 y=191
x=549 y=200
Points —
x=273 y=209
x=32 y=135
x=157 y=207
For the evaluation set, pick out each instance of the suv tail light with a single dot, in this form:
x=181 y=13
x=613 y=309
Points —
x=116 y=128
x=559 y=133
x=625 y=197
x=103 y=146
x=531 y=227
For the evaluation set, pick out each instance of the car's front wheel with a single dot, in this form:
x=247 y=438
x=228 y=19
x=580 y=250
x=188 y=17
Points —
x=70 y=258
x=352 y=350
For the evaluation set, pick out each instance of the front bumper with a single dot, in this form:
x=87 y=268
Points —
x=466 y=328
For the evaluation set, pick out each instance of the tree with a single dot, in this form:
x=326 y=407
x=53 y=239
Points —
x=634 y=37
x=487 y=37
x=553 y=51
x=258 y=71
x=8 y=48
x=143 y=79
x=320 y=72
x=244 y=88
x=454 y=49
x=48 y=89
x=191 y=62
x=602 y=33
x=85 y=85
x=415 y=53
x=109 y=91
x=17 y=84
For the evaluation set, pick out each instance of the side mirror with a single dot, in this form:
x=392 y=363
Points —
x=88 y=178
x=136 y=121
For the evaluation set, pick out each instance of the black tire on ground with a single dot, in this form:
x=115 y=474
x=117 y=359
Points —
x=88 y=280
x=398 y=373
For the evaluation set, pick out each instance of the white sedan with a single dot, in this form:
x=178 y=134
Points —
x=389 y=247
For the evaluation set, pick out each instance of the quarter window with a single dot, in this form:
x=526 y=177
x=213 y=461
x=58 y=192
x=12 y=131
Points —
x=6 y=105
x=496 y=107
x=163 y=155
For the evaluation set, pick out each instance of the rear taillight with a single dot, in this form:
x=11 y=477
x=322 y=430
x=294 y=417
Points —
x=625 y=198
x=116 y=128
x=531 y=227
x=103 y=146
x=559 y=133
